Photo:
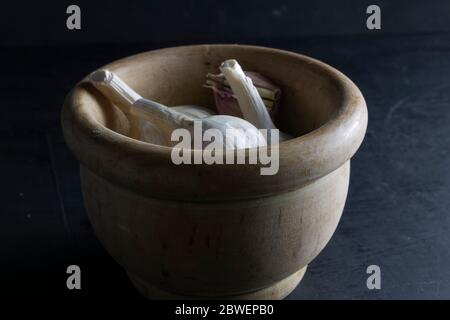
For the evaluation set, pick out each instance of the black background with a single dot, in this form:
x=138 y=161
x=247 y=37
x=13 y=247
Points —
x=43 y=22
x=397 y=212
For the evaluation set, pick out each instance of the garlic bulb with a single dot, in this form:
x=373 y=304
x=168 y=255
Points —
x=194 y=111
x=250 y=101
x=164 y=120
x=143 y=128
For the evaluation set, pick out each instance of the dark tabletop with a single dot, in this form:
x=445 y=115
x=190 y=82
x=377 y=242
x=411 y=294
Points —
x=397 y=211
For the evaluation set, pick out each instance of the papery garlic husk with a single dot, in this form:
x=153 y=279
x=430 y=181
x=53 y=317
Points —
x=226 y=102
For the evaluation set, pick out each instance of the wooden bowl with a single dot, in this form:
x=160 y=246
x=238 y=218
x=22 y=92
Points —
x=217 y=231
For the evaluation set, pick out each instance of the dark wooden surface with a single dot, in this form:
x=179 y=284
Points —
x=397 y=212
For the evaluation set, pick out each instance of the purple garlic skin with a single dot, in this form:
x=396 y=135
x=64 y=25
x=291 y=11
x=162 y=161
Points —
x=227 y=104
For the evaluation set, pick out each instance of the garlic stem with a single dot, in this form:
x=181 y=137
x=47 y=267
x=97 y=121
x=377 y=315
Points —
x=105 y=80
x=250 y=101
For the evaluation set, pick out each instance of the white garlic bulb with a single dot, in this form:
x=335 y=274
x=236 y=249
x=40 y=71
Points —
x=144 y=128
x=194 y=111
x=165 y=120
x=250 y=101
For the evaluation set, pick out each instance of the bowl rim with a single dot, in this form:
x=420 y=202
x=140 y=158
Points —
x=131 y=163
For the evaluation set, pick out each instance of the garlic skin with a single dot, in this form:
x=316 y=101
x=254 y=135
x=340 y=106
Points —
x=144 y=128
x=225 y=99
x=165 y=120
x=194 y=111
x=250 y=101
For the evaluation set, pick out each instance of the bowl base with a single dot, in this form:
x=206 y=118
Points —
x=277 y=291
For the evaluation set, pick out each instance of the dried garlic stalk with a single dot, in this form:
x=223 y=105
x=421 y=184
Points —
x=249 y=97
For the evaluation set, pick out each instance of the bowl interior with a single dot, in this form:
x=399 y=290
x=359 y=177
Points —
x=310 y=92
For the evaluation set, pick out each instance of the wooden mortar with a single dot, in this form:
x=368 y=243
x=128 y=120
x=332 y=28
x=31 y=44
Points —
x=217 y=231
